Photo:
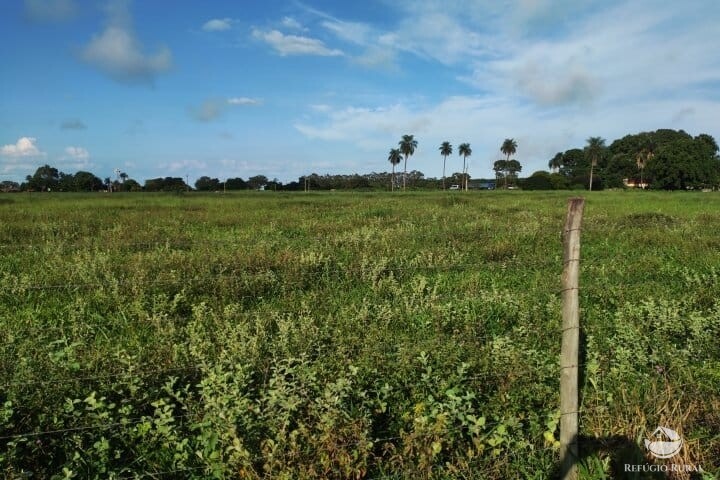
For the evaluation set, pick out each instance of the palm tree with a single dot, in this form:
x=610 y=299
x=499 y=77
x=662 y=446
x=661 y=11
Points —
x=593 y=151
x=408 y=144
x=445 y=150
x=394 y=157
x=556 y=162
x=465 y=150
x=509 y=147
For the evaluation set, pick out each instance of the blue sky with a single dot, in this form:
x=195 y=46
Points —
x=286 y=88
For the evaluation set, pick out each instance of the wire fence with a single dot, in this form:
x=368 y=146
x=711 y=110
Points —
x=459 y=435
x=289 y=234
x=25 y=289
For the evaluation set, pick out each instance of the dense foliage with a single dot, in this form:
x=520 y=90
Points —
x=321 y=335
x=664 y=159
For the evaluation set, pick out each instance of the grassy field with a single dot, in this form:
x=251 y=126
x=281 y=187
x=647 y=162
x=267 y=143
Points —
x=350 y=335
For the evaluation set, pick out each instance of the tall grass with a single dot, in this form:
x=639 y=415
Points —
x=349 y=335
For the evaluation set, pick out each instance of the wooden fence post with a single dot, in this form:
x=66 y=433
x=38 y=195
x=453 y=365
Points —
x=569 y=358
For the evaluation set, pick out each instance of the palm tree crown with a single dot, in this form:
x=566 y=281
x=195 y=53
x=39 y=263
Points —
x=408 y=144
x=556 y=162
x=445 y=150
x=509 y=147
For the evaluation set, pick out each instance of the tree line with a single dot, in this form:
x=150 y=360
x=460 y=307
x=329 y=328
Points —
x=664 y=159
x=661 y=160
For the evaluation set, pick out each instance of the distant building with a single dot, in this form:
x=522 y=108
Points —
x=635 y=183
x=481 y=184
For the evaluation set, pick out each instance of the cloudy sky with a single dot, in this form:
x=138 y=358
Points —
x=284 y=88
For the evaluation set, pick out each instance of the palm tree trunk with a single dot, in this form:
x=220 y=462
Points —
x=464 y=178
x=506 y=172
x=392 y=179
x=444 y=160
x=591 y=175
x=404 y=172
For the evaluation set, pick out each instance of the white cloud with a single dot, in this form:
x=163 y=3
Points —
x=294 y=44
x=50 y=10
x=76 y=153
x=118 y=53
x=184 y=166
x=217 y=25
x=353 y=32
x=320 y=107
x=540 y=132
x=378 y=57
x=24 y=147
x=291 y=23
x=243 y=101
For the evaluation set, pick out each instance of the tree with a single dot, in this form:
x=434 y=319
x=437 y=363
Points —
x=87 y=182
x=509 y=147
x=644 y=155
x=540 y=180
x=394 y=157
x=131 y=185
x=257 y=182
x=408 y=144
x=499 y=167
x=9 y=186
x=465 y=150
x=207 y=184
x=594 y=151
x=235 y=184
x=513 y=167
x=445 y=150
x=686 y=163
x=167 y=184
x=123 y=177
x=45 y=178
x=556 y=162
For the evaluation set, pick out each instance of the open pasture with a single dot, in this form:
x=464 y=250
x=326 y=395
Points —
x=349 y=335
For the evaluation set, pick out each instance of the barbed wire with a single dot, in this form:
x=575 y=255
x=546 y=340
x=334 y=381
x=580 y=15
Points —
x=160 y=372
x=488 y=426
x=290 y=234
x=94 y=378
x=17 y=284
x=124 y=422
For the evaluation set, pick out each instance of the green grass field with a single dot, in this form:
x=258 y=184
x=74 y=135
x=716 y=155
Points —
x=350 y=335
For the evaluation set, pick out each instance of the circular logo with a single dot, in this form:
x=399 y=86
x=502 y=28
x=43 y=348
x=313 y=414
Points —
x=666 y=443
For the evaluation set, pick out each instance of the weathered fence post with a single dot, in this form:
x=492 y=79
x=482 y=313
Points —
x=570 y=341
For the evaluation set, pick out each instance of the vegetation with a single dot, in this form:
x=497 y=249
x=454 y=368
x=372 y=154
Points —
x=661 y=160
x=349 y=335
